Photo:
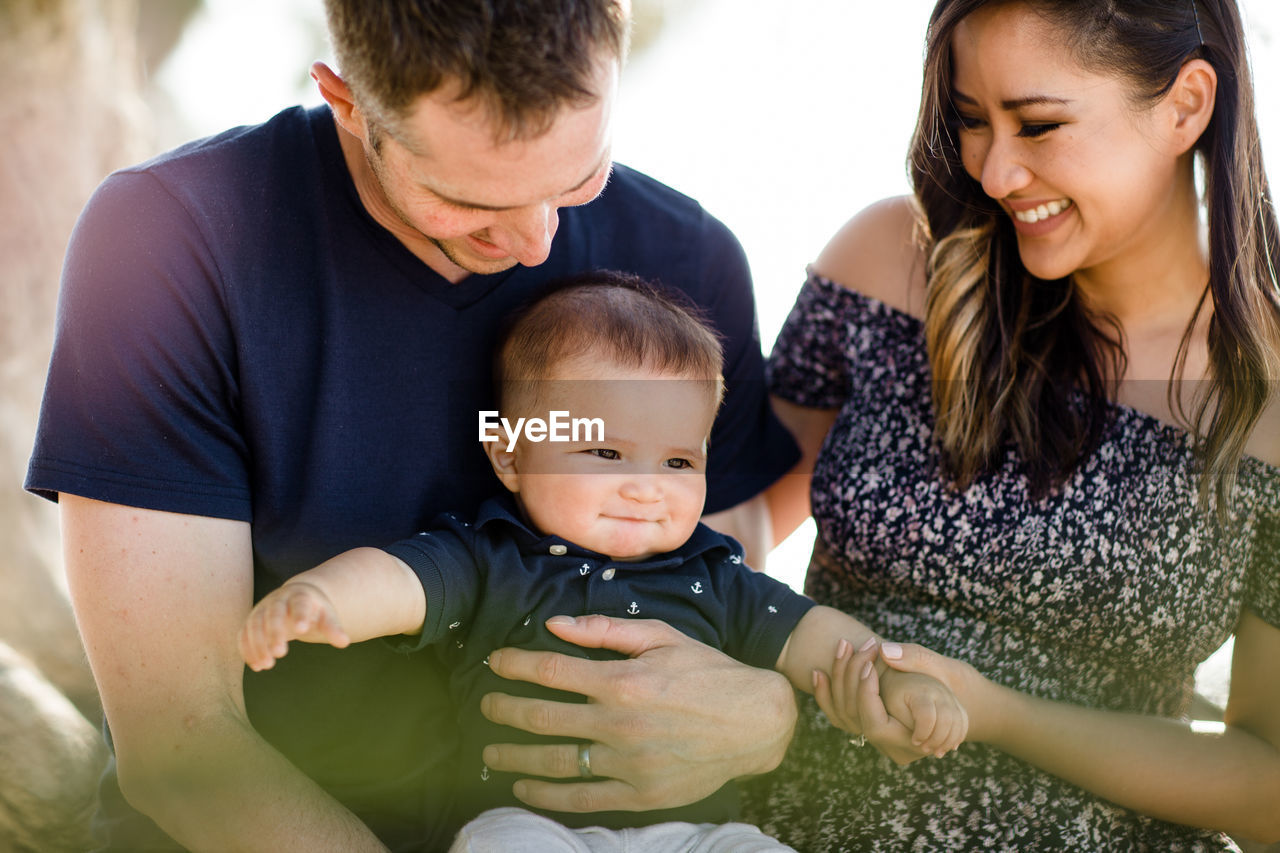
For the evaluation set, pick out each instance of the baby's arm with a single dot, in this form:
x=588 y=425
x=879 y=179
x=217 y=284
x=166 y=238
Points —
x=357 y=595
x=824 y=642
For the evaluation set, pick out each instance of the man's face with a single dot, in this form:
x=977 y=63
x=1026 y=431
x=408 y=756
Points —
x=468 y=204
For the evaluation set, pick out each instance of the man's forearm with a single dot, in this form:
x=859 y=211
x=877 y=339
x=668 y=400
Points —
x=159 y=598
x=225 y=788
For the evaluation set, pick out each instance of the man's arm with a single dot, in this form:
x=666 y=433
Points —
x=749 y=523
x=788 y=498
x=159 y=599
x=762 y=522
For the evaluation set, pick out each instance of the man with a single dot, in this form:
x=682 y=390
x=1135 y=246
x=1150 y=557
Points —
x=273 y=345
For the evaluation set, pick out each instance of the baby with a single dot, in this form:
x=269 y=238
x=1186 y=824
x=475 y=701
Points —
x=608 y=389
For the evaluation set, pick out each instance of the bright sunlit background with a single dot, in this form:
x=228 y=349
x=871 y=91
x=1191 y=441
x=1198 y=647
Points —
x=782 y=118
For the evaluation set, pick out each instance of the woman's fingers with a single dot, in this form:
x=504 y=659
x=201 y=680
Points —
x=846 y=710
x=822 y=693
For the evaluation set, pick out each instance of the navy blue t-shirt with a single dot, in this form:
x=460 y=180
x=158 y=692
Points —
x=493 y=582
x=237 y=337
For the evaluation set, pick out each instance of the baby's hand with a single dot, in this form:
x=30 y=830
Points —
x=296 y=611
x=926 y=706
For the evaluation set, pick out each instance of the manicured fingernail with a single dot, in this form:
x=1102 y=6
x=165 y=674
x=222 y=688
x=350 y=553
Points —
x=561 y=620
x=871 y=641
x=492 y=660
x=490 y=755
x=893 y=651
x=866 y=670
x=842 y=648
x=815 y=679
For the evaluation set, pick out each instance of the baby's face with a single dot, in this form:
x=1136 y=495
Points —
x=638 y=491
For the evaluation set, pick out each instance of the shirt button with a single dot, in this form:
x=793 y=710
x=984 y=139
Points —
x=559 y=550
x=608 y=574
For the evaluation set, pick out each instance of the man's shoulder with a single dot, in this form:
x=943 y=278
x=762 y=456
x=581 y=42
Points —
x=233 y=161
x=241 y=190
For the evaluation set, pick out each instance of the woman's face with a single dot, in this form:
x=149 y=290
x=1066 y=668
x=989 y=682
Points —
x=1085 y=175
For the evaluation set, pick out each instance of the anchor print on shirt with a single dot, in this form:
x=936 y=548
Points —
x=633 y=609
x=697 y=587
x=584 y=569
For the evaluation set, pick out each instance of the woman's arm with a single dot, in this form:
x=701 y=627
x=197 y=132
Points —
x=1227 y=781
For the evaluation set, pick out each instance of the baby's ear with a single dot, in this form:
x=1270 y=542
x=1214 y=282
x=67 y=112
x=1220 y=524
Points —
x=504 y=464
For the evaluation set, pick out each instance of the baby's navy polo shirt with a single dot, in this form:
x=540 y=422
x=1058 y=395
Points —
x=494 y=582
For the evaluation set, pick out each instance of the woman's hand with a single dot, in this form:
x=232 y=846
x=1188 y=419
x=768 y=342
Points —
x=979 y=696
x=851 y=700
x=668 y=726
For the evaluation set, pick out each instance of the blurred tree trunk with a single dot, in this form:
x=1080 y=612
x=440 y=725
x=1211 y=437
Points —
x=70 y=112
x=50 y=762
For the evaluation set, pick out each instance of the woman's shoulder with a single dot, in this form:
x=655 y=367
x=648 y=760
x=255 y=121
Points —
x=879 y=254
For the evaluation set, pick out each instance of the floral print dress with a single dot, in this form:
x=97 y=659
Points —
x=1107 y=593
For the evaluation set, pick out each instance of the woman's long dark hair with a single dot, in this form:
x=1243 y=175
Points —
x=1011 y=354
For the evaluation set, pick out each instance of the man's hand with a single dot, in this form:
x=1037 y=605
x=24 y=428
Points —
x=667 y=727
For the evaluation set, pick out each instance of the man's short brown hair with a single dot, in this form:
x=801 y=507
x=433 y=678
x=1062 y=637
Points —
x=524 y=59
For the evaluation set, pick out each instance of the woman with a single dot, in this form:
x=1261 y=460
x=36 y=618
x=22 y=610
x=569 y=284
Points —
x=1047 y=416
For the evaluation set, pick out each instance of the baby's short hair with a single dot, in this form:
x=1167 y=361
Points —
x=622 y=317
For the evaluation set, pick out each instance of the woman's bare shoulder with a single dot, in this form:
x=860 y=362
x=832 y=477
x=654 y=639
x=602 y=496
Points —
x=878 y=254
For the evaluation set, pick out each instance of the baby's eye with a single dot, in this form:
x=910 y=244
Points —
x=1031 y=131
x=679 y=464
x=604 y=452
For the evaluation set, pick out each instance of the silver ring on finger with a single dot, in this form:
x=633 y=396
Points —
x=584 y=760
